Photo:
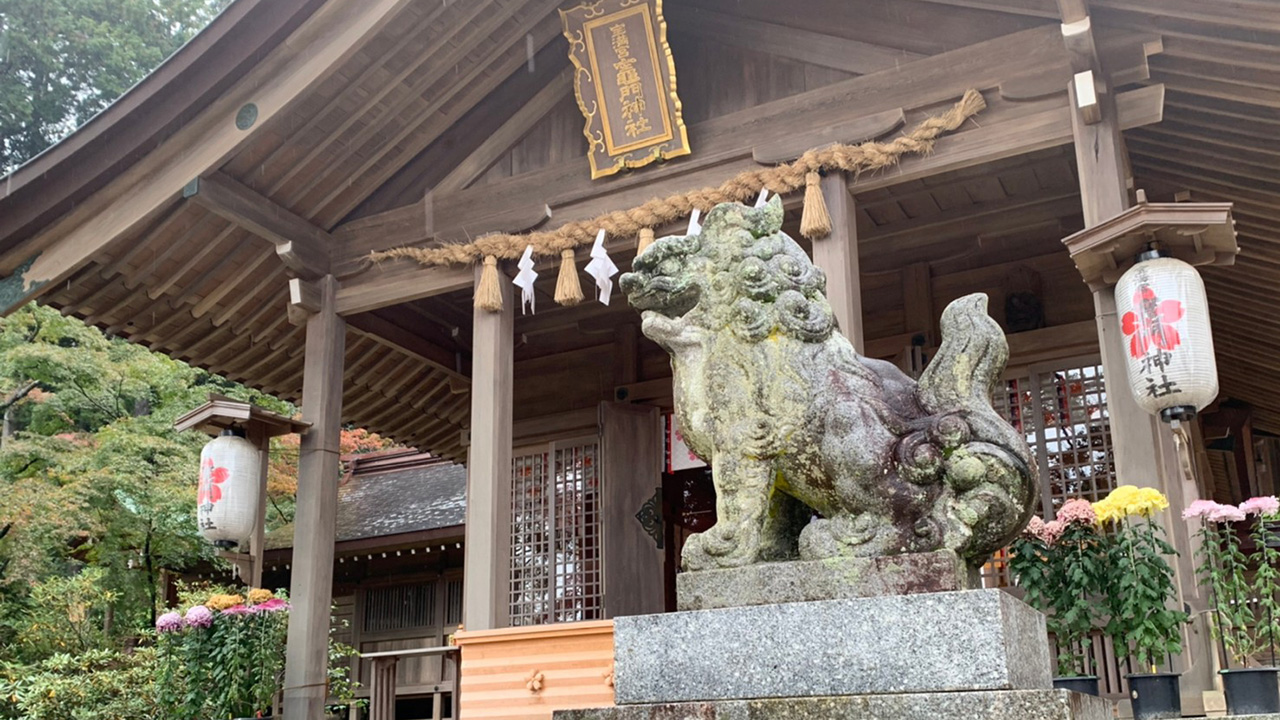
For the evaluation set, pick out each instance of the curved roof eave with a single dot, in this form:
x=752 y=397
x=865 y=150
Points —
x=51 y=183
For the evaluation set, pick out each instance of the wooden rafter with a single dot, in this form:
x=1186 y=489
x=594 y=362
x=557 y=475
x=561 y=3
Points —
x=853 y=56
x=510 y=54
x=146 y=189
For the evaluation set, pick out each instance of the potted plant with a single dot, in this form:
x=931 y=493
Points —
x=1138 y=590
x=1059 y=565
x=1243 y=589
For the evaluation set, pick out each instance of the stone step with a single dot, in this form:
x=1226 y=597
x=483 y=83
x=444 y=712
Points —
x=983 y=705
x=938 y=642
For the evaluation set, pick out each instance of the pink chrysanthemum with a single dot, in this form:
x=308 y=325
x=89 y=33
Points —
x=1035 y=528
x=1078 y=511
x=1266 y=506
x=1053 y=530
x=169 y=622
x=199 y=616
x=238 y=610
x=1200 y=509
x=1226 y=513
x=272 y=605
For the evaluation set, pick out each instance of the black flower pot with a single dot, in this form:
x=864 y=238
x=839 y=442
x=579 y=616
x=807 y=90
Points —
x=1155 y=696
x=1251 y=691
x=1087 y=684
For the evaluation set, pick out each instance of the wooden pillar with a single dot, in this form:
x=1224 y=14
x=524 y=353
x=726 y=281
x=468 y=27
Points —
x=1144 y=449
x=382 y=693
x=487 y=550
x=311 y=589
x=837 y=255
x=261 y=439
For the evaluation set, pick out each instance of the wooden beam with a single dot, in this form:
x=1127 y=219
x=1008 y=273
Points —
x=510 y=133
x=1007 y=129
x=315 y=521
x=782 y=41
x=311 y=53
x=485 y=599
x=444 y=360
x=303 y=247
x=837 y=256
x=851 y=132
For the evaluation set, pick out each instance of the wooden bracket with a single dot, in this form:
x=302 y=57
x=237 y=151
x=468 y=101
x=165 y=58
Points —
x=1086 y=97
x=302 y=247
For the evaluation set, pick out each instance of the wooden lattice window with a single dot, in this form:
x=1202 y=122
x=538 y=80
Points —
x=555 y=534
x=400 y=607
x=1061 y=409
x=453 y=602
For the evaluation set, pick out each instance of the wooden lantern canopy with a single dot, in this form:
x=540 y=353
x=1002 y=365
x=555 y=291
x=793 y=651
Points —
x=236 y=457
x=1195 y=232
x=1149 y=252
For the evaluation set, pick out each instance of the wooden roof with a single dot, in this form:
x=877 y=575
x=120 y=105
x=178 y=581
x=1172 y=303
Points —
x=365 y=107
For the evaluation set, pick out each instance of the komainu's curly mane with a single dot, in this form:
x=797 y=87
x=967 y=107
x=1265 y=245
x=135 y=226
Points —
x=795 y=423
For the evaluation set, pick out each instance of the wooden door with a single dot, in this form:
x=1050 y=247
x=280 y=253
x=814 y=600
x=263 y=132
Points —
x=631 y=506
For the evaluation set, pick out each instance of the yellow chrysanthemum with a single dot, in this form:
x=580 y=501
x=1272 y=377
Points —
x=222 y=602
x=1128 y=500
x=1107 y=511
x=260 y=595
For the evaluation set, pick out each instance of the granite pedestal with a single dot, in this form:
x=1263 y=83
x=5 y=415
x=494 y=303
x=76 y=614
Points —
x=808 y=580
x=860 y=639
x=987 y=705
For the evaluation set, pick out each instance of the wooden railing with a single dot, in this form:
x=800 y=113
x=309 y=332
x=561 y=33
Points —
x=382 y=676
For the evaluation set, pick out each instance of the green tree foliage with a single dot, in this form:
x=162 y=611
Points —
x=92 y=472
x=62 y=61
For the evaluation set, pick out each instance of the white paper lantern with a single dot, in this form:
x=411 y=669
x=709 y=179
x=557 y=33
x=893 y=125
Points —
x=1164 y=316
x=227 y=499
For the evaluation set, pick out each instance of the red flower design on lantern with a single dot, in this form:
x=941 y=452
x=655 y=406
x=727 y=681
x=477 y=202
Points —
x=1152 y=323
x=210 y=478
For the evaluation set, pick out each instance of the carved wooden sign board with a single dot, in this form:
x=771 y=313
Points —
x=625 y=83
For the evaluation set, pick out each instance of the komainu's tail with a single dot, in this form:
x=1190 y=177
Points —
x=993 y=469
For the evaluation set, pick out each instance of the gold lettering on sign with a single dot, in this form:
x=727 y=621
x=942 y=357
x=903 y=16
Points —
x=625 y=84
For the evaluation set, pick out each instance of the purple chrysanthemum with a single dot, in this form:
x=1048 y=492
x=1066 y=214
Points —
x=199 y=616
x=169 y=622
x=238 y=610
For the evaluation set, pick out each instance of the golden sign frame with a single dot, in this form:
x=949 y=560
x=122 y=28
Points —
x=674 y=142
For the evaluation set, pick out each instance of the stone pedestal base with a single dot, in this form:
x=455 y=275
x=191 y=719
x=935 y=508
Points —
x=836 y=578
x=972 y=640
x=986 y=705
x=899 y=638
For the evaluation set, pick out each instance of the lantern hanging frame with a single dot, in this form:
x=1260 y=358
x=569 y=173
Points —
x=259 y=425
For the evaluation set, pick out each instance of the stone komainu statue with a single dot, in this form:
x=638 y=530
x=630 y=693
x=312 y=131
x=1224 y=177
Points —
x=794 y=422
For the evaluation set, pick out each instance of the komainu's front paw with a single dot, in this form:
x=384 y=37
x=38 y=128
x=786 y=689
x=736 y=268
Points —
x=722 y=546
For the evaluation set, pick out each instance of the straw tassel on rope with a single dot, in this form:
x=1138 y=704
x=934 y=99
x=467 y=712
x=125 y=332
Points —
x=568 y=289
x=488 y=294
x=644 y=241
x=815 y=221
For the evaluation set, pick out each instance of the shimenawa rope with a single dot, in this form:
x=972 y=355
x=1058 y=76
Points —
x=803 y=172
